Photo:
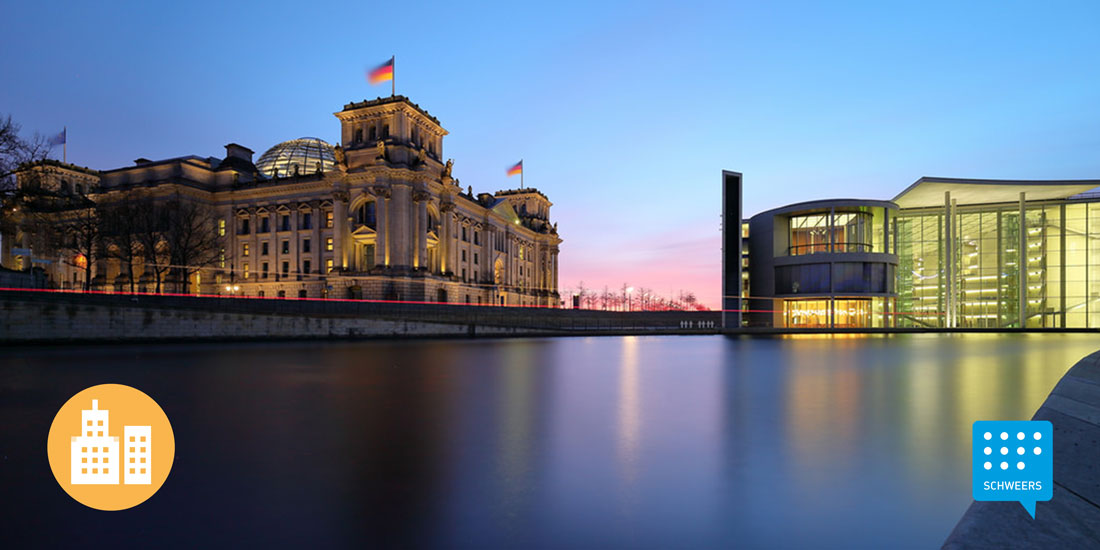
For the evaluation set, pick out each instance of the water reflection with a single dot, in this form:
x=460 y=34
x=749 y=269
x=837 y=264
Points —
x=608 y=442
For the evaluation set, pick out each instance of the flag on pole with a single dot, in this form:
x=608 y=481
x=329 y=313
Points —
x=517 y=169
x=58 y=139
x=381 y=73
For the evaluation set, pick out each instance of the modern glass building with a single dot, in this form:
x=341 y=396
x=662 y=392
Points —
x=944 y=253
x=998 y=254
x=823 y=264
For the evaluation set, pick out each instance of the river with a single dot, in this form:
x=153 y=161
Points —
x=586 y=442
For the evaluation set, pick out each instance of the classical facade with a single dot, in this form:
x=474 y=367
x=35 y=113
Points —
x=378 y=217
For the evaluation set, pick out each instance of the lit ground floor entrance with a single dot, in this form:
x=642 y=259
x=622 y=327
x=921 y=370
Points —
x=839 y=312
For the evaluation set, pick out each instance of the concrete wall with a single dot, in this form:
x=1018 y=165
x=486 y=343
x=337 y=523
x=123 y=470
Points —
x=1071 y=519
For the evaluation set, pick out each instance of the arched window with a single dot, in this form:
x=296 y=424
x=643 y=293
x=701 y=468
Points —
x=65 y=187
x=79 y=189
x=365 y=215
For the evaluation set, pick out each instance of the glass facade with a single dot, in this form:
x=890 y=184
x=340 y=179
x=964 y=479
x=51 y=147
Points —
x=1048 y=266
x=863 y=230
x=305 y=155
x=839 y=312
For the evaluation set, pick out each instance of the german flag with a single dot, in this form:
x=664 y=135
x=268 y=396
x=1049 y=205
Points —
x=516 y=170
x=381 y=73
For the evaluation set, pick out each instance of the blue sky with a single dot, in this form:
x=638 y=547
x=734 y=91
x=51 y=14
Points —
x=624 y=113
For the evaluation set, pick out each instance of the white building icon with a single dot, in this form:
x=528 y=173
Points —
x=138 y=441
x=95 y=453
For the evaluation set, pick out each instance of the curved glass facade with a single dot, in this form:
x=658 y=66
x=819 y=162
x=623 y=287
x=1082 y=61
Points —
x=839 y=231
x=307 y=155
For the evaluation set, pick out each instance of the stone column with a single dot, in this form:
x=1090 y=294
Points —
x=400 y=214
x=420 y=226
x=316 y=247
x=254 y=258
x=382 y=224
x=445 y=246
x=340 y=228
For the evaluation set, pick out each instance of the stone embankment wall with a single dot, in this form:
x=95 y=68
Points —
x=46 y=317
x=1071 y=519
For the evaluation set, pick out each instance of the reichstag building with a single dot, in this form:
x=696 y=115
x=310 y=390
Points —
x=378 y=217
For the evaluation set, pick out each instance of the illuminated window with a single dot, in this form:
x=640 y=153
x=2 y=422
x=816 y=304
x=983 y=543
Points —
x=100 y=423
x=221 y=258
x=328 y=219
x=143 y=439
x=246 y=270
x=245 y=248
x=89 y=422
x=221 y=228
x=100 y=434
x=328 y=243
x=328 y=266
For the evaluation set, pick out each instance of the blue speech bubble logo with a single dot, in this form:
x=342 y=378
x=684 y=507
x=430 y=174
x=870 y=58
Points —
x=1014 y=460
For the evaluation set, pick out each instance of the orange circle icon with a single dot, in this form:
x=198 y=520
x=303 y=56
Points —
x=111 y=447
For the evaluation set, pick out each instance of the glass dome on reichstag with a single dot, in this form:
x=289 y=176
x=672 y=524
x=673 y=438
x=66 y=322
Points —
x=306 y=154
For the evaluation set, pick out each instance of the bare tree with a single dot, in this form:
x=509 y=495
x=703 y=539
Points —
x=82 y=236
x=15 y=151
x=191 y=237
x=120 y=228
x=152 y=224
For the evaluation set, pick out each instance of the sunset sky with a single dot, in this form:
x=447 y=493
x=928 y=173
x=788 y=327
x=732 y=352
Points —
x=624 y=114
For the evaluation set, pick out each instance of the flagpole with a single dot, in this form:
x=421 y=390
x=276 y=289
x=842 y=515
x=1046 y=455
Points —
x=65 y=145
x=393 y=76
x=521 y=174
